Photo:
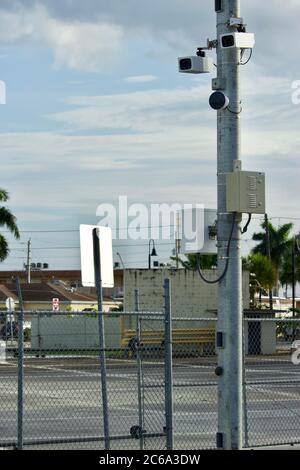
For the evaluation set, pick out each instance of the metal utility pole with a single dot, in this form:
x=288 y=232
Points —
x=230 y=391
x=268 y=246
x=239 y=192
x=177 y=241
x=28 y=265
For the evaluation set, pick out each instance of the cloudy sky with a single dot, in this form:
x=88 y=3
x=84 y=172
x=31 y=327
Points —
x=96 y=109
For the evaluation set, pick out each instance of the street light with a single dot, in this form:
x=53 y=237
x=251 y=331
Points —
x=121 y=259
x=152 y=253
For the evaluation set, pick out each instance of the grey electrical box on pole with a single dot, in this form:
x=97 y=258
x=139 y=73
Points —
x=246 y=192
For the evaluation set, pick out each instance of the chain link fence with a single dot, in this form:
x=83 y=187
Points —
x=194 y=383
x=51 y=394
x=272 y=381
x=160 y=385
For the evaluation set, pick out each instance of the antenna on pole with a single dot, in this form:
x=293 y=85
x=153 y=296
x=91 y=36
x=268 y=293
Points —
x=28 y=265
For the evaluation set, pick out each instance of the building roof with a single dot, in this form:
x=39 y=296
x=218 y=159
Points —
x=71 y=276
x=5 y=293
x=43 y=292
x=41 y=275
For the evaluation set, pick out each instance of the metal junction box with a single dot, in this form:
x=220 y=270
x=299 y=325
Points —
x=246 y=192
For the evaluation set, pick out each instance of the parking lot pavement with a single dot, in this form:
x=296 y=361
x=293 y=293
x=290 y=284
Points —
x=63 y=400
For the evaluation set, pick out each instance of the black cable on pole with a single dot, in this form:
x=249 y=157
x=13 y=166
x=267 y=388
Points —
x=216 y=281
x=247 y=224
x=235 y=112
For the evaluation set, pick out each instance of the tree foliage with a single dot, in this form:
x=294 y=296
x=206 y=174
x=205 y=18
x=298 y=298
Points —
x=263 y=270
x=286 y=270
x=280 y=242
x=191 y=261
x=7 y=220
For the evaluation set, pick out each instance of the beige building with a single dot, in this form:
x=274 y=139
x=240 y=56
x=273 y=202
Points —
x=190 y=296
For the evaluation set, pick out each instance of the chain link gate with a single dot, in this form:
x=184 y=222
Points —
x=194 y=383
x=50 y=381
x=51 y=394
x=271 y=380
x=152 y=348
x=60 y=402
x=8 y=385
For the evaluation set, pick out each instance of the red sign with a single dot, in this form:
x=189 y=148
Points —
x=55 y=305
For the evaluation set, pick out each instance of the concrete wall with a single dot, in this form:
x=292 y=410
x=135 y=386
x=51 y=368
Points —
x=190 y=295
x=108 y=305
x=61 y=332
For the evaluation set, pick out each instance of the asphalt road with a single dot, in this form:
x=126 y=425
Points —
x=62 y=401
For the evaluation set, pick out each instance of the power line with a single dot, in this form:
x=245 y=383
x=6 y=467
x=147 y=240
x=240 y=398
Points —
x=77 y=230
x=142 y=227
x=134 y=245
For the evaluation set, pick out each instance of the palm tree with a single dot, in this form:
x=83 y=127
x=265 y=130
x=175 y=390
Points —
x=280 y=245
x=8 y=220
x=191 y=262
x=286 y=270
x=264 y=272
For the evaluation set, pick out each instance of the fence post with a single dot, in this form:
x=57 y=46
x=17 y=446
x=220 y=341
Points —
x=39 y=335
x=168 y=366
x=98 y=284
x=139 y=369
x=246 y=434
x=20 y=367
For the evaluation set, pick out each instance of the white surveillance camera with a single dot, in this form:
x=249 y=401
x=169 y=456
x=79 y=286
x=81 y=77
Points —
x=218 y=101
x=237 y=41
x=195 y=64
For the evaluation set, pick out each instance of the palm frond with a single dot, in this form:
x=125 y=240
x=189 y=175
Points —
x=4 y=250
x=8 y=220
x=4 y=195
x=258 y=237
x=284 y=231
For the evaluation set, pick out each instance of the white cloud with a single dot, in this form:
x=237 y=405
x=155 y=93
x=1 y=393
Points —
x=84 y=46
x=89 y=46
x=15 y=28
x=141 y=79
x=143 y=111
x=87 y=35
x=160 y=144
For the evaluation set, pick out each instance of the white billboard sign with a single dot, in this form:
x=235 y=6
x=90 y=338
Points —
x=87 y=255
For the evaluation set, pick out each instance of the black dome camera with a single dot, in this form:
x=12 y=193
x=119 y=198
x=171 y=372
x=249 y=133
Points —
x=218 y=101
